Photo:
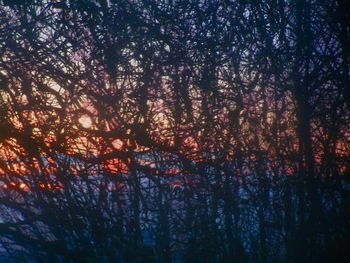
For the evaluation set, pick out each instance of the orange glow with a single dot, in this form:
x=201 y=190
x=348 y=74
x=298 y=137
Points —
x=85 y=121
x=50 y=186
x=117 y=144
x=12 y=185
x=172 y=171
x=115 y=165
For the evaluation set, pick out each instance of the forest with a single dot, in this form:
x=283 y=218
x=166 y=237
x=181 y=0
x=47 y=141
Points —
x=175 y=131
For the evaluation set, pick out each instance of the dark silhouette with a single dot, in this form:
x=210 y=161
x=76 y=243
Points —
x=175 y=131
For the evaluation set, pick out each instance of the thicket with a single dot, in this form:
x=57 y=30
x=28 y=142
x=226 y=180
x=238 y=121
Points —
x=175 y=131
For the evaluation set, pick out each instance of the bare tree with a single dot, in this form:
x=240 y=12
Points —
x=174 y=131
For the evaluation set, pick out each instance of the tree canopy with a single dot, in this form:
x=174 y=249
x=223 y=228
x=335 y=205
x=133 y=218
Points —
x=175 y=131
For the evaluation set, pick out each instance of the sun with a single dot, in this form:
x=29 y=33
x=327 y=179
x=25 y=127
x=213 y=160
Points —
x=85 y=121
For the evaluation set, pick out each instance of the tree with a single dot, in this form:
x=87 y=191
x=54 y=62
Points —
x=174 y=131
